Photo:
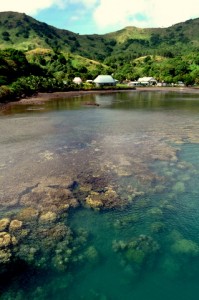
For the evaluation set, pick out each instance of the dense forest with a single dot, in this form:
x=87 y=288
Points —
x=37 y=57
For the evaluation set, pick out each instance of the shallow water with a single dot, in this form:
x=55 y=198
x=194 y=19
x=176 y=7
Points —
x=100 y=202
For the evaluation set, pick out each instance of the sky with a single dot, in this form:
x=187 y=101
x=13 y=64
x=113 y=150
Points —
x=104 y=16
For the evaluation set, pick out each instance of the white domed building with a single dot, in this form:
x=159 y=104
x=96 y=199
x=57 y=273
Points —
x=104 y=80
x=77 y=80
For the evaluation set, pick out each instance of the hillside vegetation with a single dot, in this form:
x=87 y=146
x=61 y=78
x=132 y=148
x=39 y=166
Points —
x=33 y=49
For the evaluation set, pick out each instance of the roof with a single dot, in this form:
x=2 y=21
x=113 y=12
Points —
x=104 y=79
x=146 y=79
x=77 y=80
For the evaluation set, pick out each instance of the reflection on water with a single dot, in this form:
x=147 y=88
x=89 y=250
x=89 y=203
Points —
x=100 y=202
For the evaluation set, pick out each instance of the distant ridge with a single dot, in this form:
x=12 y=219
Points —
x=20 y=31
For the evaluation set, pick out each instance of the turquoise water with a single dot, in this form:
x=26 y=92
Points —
x=100 y=202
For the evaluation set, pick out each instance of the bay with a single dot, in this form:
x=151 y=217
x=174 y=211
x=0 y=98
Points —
x=99 y=197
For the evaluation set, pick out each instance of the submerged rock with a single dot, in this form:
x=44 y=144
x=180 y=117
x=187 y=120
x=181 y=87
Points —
x=28 y=214
x=106 y=198
x=27 y=253
x=4 y=223
x=179 y=187
x=143 y=203
x=92 y=255
x=157 y=227
x=5 y=256
x=86 y=188
x=126 y=220
x=48 y=217
x=5 y=239
x=137 y=251
x=156 y=212
x=60 y=263
x=185 y=247
x=135 y=255
x=93 y=200
x=15 y=225
x=124 y=171
x=49 y=194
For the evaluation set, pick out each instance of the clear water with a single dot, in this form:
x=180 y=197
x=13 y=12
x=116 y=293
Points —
x=100 y=202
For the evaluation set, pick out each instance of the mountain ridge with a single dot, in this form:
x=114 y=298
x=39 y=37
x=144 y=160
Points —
x=170 y=54
x=26 y=33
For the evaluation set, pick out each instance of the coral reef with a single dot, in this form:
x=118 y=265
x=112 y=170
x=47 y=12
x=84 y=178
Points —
x=4 y=223
x=91 y=255
x=128 y=220
x=48 y=217
x=15 y=225
x=5 y=256
x=38 y=233
x=28 y=214
x=157 y=227
x=185 y=247
x=138 y=251
x=179 y=187
x=7 y=242
x=93 y=200
x=106 y=198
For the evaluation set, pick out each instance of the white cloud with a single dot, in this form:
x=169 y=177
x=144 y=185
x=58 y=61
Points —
x=113 y=14
x=87 y=3
x=29 y=7
x=143 y=13
x=32 y=7
x=172 y=12
x=110 y=12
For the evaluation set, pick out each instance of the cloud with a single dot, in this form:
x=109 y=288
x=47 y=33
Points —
x=33 y=7
x=143 y=13
x=86 y=3
x=172 y=12
x=108 y=15
x=110 y=12
x=29 y=7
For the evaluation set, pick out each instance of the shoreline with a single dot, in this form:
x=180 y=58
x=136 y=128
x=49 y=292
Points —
x=40 y=98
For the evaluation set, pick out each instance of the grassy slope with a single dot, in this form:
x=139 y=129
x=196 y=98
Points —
x=118 y=49
x=27 y=33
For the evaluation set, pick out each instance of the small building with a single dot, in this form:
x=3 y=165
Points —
x=147 y=81
x=134 y=83
x=162 y=84
x=77 y=80
x=180 y=83
x=104 y=80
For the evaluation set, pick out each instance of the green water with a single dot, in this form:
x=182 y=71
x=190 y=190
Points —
x=100 y=202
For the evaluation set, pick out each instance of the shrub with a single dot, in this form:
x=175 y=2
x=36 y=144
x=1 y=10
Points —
x=5 y=93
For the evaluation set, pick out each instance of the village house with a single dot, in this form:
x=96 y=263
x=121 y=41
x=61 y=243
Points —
x=147 y=81
x=104 y=80
x=77 y=80
x=134 y=83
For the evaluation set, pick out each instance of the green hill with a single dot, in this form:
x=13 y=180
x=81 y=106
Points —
x=25 y=33
x=168 y=54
